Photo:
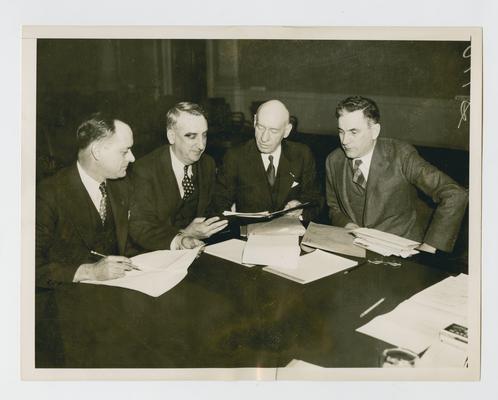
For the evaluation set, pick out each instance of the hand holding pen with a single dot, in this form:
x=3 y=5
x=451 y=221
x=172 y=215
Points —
x=110 y=267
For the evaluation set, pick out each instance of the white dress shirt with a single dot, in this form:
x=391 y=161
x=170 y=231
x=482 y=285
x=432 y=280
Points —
x=366 y=160
x=178 y=170
x=91 y=186
x=276 y=158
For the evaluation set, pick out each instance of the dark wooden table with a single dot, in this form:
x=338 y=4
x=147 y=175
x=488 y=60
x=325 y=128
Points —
x=224 y=315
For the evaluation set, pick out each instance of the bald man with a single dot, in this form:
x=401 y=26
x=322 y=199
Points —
x=268 y=173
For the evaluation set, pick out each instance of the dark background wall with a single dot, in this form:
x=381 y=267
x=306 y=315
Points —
x=419 y=87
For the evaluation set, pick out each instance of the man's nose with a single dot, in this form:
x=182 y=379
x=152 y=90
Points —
x=265 y=136
x=131 y=157
x=345 y=138
x=201 y=143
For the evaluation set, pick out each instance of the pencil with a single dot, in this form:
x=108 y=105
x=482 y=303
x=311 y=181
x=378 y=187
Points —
x=96 y=253
x=371 y=308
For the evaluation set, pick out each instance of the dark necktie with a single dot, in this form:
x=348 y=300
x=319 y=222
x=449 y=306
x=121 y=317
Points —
x=270 y=172
x=187 y=184
x=103 y=202
x=358 y=177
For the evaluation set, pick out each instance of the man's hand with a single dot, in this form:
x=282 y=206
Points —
x=351 y=225
x=187 y=243
x=110 y=267
x=291 y=204
x=202 y=228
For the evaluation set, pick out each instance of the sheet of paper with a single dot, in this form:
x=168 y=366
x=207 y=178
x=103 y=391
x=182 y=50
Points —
x=416 y=322
x=387 y=238
x=284 y=225
x=279 y=250
x=314 y=266
x=160 y=271
x=302 y=364
x=442 y=355
x=332 y=238
x=230 y=250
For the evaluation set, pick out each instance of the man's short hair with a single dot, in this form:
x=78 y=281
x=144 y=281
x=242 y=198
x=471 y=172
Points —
x=184 y=106
x=355 y=103
x=95 y=127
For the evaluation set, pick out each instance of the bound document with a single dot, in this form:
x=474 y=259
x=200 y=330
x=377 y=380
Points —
x=313 y=266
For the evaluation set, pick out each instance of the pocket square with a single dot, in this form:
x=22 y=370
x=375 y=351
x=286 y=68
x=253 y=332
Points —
x=294 y=184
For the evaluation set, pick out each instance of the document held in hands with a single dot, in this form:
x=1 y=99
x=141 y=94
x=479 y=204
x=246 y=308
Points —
x=313 y=266
x=280 y=250
x=159 y=272
x=264 y=214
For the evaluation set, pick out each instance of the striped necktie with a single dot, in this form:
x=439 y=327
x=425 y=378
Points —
x=358 y=177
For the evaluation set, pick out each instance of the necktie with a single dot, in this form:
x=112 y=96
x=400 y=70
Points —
x=358 y=177
x=103 y=203
x=187 y=184
x=270 y=172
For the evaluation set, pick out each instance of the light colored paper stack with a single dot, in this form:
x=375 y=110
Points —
x=230 y=250
x=278 y=250
x=159 y=272
x=415 y=323
x=285 y=225
x=313 y=266
x=384 y=243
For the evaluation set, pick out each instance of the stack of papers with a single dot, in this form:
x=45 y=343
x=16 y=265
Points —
x=278 y=250
x=332 y=238
x=384 y=243
x=264 y=214
x=313 y=266
x=159 y=272
x=230 y=250
x=415 y=323
x=285 y=225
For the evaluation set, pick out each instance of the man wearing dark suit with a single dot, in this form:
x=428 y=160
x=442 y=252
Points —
x=372 y=182
x=173 y=186
x=268 y=173
x=84 y=208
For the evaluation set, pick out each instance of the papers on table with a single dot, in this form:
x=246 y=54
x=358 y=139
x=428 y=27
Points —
x=278 y=250
x=230 y=250
x=160 y=271
x=384 y=243
x=332 y=238
x=284 y=225
x=415 y=323
x=264 y=214
x=313 y=266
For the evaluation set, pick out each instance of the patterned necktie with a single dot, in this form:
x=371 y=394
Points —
x=270 y=172
x=103 y=203
x=358 y=177
x=187 y=184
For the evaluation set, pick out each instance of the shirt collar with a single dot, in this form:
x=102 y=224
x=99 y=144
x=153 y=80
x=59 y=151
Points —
x=178 y=166
x=276 y=153
x=90 y=183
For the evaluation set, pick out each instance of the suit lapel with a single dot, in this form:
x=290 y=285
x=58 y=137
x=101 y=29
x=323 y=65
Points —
x=78 y=206
x=346 y=180
x=167 y=179
x=378 y=168
x=284 y=178
x=120 y=213
x=259 y=176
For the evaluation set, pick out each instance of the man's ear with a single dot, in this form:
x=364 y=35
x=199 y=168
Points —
x=375 y=131
x=95 y=150
x=288 y=130
x=255 y=120
x=171 y=136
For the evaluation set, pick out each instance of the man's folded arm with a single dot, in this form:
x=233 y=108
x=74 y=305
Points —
x=451 y=200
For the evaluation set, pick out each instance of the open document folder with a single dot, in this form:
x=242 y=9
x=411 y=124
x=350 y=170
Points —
x=384 y=243
x=416 y=322
x=313 y=266
x=159 y=272
x=264 y=214
x=332 y=238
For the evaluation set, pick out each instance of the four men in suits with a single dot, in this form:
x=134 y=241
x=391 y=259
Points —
x=84 y=208
x=372 y=182
x=174 y=185
x=268 y=173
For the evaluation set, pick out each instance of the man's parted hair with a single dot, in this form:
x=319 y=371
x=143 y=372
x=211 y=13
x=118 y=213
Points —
x=184 y=106
x=355 y=103
x=95 y=127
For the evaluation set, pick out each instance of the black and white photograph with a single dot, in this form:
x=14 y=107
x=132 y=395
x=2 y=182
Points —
x=259 y=203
